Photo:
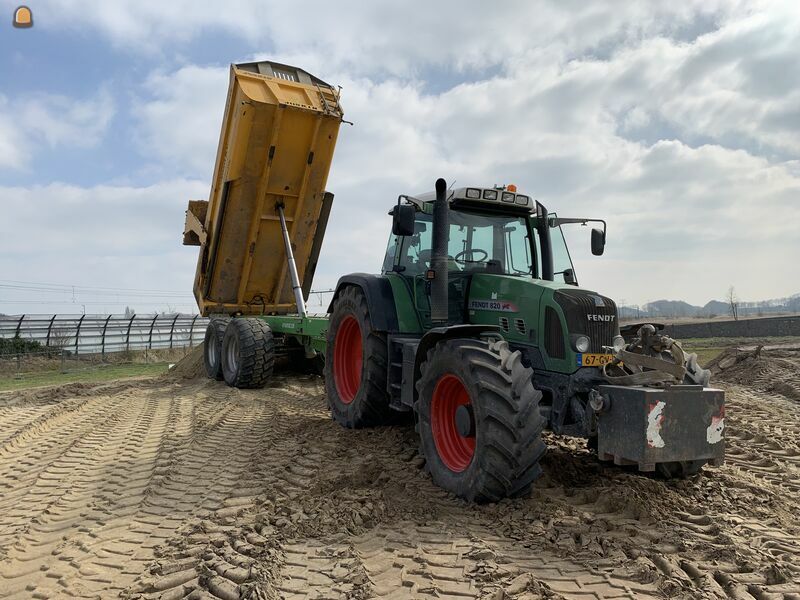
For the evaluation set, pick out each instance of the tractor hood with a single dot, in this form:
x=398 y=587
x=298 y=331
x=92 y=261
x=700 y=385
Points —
x=545 y=314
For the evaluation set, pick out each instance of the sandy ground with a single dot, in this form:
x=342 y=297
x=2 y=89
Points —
x=181 y=487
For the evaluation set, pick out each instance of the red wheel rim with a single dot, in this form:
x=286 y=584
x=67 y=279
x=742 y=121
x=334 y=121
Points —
x=455 y=450
x=348 y=358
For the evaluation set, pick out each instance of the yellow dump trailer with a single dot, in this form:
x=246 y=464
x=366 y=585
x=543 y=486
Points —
x=275 y=150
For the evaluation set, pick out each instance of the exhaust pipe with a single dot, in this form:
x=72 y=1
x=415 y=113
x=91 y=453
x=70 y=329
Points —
x=439 y=300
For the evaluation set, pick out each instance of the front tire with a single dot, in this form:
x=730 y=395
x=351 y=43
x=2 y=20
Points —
x=248 y=353
x=479 y=420
x=212 y=347
x=356 y=364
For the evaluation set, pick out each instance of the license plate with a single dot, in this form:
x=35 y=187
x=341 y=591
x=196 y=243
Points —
x=593 y=360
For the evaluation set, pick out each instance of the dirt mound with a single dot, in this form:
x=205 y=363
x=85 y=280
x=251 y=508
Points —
x=733 y=363
x=190 y=366
x=766 y=370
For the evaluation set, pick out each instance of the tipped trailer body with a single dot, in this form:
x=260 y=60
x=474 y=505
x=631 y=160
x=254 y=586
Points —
x=278 y=135
x=476 y=323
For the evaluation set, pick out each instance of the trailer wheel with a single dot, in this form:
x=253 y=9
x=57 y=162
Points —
x=212 y=347
x=248 y=353
x=679 y=469
x=479 y=420
x=356 y=364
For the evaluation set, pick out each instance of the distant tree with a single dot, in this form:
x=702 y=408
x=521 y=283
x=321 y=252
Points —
x=60 y=338
x=733 y=303
x=129 y=312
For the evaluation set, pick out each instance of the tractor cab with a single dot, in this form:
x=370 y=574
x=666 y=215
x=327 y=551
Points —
x=490 y=230
x=503 y=252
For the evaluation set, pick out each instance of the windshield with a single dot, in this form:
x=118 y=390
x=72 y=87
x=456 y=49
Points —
x=477 y=243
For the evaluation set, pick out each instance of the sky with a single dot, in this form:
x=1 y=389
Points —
x=677 y=122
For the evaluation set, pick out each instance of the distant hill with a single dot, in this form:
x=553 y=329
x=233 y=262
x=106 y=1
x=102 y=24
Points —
x=713 y=308
x=671 y=308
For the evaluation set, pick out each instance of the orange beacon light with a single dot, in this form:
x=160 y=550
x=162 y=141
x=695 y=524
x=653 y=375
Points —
x=23 y=17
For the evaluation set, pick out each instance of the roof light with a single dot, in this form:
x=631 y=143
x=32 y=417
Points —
x=522 y=200
x=511 y=187
x=508 y=197
x=490 y=194
x=473 y=193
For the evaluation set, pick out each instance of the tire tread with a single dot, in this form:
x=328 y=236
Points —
x=256 y=353
x=371 y=405
x=512 y=423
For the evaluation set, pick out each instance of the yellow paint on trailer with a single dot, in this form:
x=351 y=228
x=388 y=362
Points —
x=276 y=146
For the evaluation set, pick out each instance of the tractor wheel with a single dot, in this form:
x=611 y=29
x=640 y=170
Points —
x=212 y=347
x=679 y=469
x=356 y=364
x=248 y=353
x=479 y=420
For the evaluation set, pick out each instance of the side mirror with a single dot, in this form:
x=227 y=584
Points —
x=403 y=219
x=598 y=242
x=569 y=277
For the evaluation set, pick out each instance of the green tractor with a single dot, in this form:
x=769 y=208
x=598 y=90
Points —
x=476 y=326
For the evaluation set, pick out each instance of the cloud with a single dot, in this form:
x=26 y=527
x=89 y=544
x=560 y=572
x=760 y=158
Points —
x=178 y=117
x=649 y=120
x=13 y=151
x=109 y=236
x=31 y=121
x=390 y=37
x=677 y=122
x=102 y=219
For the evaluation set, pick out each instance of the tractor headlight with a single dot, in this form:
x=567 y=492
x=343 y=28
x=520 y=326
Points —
x=581 y=344
x=618 y=343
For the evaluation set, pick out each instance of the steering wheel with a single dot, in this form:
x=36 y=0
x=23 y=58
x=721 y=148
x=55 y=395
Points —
x=461 y=257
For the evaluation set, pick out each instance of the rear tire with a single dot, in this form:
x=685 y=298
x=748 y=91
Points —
x=481 y=389
x=212 y=347
x=248 y=353
x=356 y=364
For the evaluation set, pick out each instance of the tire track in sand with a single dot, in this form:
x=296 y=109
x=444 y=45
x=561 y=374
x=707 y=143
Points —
x=94 y=489
x=195 y=490
x=338 y=513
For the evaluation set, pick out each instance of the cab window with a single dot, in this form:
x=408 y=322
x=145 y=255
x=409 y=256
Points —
x=561 y=258
x=477 y=242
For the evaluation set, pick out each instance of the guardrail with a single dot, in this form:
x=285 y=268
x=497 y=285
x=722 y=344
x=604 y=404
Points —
x=101 y=334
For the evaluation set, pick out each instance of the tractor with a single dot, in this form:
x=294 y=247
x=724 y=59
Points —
x=477 y=326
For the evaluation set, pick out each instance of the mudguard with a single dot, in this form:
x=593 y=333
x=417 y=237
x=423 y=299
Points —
x=436 y=335
x=380 y=299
